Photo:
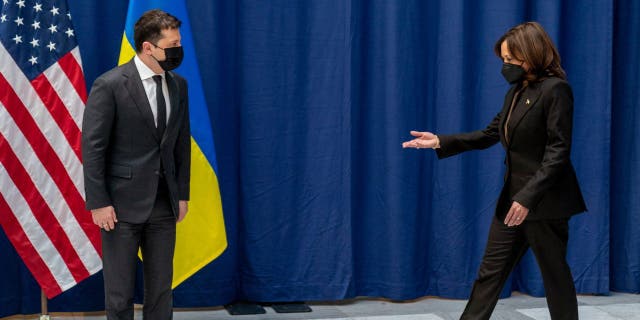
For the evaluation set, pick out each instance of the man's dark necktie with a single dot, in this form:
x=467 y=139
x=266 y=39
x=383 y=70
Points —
x=162 y=106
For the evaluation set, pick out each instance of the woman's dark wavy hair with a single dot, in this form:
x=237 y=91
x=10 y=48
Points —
x=529 y=42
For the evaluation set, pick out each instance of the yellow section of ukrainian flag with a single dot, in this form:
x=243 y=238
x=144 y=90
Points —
x=126 y=50
x=201 y=236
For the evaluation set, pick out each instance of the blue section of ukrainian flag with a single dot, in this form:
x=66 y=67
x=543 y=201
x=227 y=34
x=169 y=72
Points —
x=200 y=124
x=201 y=236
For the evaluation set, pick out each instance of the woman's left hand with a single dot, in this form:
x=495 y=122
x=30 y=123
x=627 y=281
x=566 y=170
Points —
x=516 y=215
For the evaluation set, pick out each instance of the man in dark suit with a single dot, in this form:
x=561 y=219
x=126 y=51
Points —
x=136 y=153
x=541 y=191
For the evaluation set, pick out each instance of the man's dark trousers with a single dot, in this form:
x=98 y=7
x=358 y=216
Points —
x=156 y=239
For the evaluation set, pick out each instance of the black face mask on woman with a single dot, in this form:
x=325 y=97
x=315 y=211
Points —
x=173 y=58
x=512 y=72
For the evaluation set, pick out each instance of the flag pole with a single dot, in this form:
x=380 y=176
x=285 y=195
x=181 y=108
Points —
x=44 y=315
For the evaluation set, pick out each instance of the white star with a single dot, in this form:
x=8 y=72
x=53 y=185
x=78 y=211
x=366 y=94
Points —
x=51 y=46
x=5 y=1
x=53 y=28
x=69 y=15
x=35 y=42
x=69 y=32
x=38 y=7
x=18 y=21
x=36 y=25
x=17 y=39
x=33 y=60
x=3 y=18
x=55 y=11
x=20 y=3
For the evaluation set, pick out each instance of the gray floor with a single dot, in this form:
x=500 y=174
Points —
x=518 y=307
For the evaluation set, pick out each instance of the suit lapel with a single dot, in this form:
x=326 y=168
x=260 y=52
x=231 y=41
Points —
x=527 y=100
x=505 y=112
x=174 y=98
x=137 y=93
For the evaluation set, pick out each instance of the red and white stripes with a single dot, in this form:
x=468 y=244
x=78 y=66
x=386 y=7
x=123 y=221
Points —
x=41 y=182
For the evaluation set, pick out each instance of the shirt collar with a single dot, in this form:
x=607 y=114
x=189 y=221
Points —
x=144 y=71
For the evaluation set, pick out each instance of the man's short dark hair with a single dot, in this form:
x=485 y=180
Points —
x=150 y=26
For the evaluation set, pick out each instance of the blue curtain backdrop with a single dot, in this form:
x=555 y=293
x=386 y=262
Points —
x=310 y=101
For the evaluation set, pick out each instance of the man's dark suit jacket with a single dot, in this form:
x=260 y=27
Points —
x=539 y=173
x=123 y=156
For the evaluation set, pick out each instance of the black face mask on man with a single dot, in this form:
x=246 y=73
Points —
x=512 y=72
x=173 y=58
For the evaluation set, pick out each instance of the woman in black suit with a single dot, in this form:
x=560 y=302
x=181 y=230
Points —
x=541 y=191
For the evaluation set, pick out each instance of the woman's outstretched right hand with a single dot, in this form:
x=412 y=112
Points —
x=422 y=140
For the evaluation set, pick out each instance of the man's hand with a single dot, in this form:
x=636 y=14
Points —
x=105 y=218
x=184 y=207
x=516 y=215
x=423 y=140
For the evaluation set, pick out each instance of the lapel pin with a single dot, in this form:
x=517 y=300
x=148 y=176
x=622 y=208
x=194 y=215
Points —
x=528 y=101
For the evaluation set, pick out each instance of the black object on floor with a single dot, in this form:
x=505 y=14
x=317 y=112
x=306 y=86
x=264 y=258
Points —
x=290 y=307
x=244 y=308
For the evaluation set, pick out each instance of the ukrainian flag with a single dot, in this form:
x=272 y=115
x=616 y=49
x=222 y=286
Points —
x=201 y=236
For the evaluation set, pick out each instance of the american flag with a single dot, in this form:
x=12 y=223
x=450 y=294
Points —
x=42 y=98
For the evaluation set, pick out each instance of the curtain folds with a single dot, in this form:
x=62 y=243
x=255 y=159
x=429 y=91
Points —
x=310 y=101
